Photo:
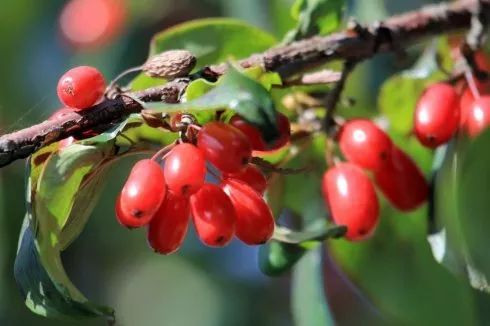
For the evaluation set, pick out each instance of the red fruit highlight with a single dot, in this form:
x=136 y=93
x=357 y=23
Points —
x=352 y=200
x=81 y=87
x=254 y=220
x=224 y=146
x=252 y=176
x=213 y=215
x=365 y=144
x=402 y=182
x=437 y=115
x=185 y=169
x=141 y=195
x=478 y=118
x=168 y=227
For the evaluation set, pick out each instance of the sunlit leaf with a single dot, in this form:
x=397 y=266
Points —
x=315 y=17
x=236 y=92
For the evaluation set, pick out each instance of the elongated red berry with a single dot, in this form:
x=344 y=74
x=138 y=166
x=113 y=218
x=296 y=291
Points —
x=365 y=144
x=402 y=182
x=252 y=176
x=253 y=134
x=255 y=137
x=352 y=200
x=213 y=215
x=254 y=220
x=168 y=228
x=478 y=118
x=224 y=146
x=437 y=115
x=81 y=87
x=142 y=194
x=185 y=169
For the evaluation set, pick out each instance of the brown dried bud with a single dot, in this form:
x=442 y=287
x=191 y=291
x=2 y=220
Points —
x=170 y=64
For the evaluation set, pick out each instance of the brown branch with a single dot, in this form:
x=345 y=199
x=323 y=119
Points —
x=353 y=45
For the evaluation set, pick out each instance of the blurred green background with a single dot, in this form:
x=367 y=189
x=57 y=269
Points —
x=398 y=279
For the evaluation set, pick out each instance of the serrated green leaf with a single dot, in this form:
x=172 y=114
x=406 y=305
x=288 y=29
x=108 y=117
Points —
x=315 y=17
x=211 y=40
x=309 y=303
x=238 y=93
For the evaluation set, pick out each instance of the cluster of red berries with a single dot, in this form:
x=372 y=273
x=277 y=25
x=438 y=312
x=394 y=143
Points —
x=350 y=193
x=163 y=196
x=442 y=111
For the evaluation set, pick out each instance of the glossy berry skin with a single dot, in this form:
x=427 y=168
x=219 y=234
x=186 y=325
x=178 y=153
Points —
x=365 y=144
x=352 y=200
x=478 y=118
x=254 y=220
x=142 y=194
x=252 y=176
x=226 y=147
x=185 y=169
x=168 y=228
x=81 y=87
x=402 y=182
x=213 y=215
x=253 y=134
x=437 y=115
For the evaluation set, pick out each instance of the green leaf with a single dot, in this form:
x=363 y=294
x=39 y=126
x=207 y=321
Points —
x=41 y=295
x=211 y=40
x=63 y=188
x=288 y=246
x=236 y=92
x=474 y=204
x=315 y=17
x=309 y=304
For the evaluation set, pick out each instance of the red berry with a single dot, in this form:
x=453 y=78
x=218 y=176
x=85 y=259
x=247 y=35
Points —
x=253 y=134
x=352 y=200
x=185 y=169
x=81 y=87
x=254 y=220
x=437 y=115
x=168 y=227
x=224 y=146
x=252 y=176
x=284 y=132
x=88 y=24
x=365 y=144
x=214 y=216
x=142 y=194
x=478 y=118
x=402 y=182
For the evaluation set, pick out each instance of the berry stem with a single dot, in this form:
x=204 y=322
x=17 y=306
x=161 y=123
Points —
x=121 y=75
x=160 y=155
x=470 y=79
